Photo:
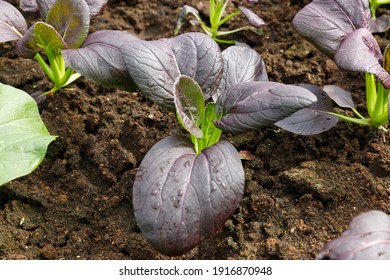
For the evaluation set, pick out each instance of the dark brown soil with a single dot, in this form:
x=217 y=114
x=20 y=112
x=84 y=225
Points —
x=301 y=191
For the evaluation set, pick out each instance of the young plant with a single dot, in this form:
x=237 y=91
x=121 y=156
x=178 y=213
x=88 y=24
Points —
x=340 y=29
x=218 y=18
x=368 y=238
x=186 y=187
x=23 y=136
x=66 y=26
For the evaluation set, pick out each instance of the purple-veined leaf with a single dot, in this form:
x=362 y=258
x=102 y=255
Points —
x=199 y=57
x=26 y=46
x=360 y=52
x=189 y=103
x=326 y=23
x=240 y=64
x=47 y=37
x=155 y=65
x=153 y=68
x=71 y=19
x=95 y=6
x=340 y=96
x=255 y=105
x=181 y=198
x=29 y=6
x=313 y=119
x=253 y=19
x=100 y=59
x=368 y=238
x=340 y=29
x=12 y=23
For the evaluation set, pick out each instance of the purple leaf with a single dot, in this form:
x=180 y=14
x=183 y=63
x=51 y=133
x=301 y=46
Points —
x=253 y=19
x=155 y=65
x=39 y=97
x=255 y=105
x=198 y=57
x=185 y=10
x=96 y=7
x=342 y=97
x=44 y=7
x=12 y=23
x=313 y=119
x=71 y=19
x=26 y=46
x=360 y=52
x=326 y=23
x=181 y=198
x=100 y=59
x=29 y=6
x=340 y=29
x=241 y=64
x=153 y=68
x=368 y=238
x=379 y=24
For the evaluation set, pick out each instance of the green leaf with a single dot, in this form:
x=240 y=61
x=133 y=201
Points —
x=189 y=104
x=48 y=38
x=23 y=136
x=211 y=133
x=71 y=19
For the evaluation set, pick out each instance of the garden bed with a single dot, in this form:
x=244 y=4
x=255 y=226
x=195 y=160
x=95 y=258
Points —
x=301 y=191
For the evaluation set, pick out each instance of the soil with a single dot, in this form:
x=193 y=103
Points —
x=301 y=191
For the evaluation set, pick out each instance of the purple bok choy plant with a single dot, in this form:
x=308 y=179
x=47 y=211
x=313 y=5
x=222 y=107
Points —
x=186 y=187
x=341 y=30
x=65 y=25
x=218 y=18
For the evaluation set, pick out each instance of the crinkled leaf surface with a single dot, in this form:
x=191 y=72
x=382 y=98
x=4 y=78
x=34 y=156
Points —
x=255 y=105
x=100 y=59
x=313 y=119
x=240 y=64
x=71 y=19
x=189 y=104
x=340 y=96
x=181 y=198
x=325 y=23
x=199 y=57
x=12 y=23
x=23 y=136
x=155 y=65
x=153 y=68
x=253 y=19
x=368 y=238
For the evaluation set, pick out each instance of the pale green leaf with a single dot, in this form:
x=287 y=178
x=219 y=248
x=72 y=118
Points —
x=23 y=136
